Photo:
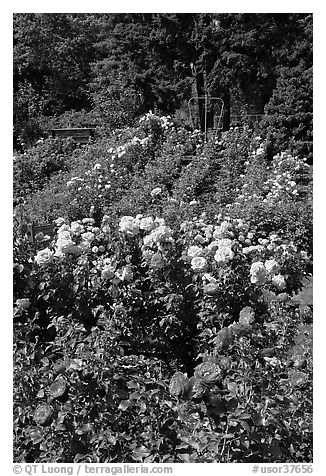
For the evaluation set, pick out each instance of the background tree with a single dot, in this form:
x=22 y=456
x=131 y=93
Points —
x=52 y=57
x=289 y=112
x=118 y=66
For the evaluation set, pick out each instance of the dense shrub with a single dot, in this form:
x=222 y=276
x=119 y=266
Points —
x=288 y=120
x=162 y=323
x=70 y=119
x=34 y=168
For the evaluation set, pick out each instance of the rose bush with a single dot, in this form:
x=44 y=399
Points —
x=161 y=323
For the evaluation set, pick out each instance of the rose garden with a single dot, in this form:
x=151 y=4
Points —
x=162 y=321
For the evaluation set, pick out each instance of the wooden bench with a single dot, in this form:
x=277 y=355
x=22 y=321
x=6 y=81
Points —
x=48 y=229
x=80 y=135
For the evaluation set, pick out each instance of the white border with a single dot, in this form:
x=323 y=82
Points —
x=319 y=186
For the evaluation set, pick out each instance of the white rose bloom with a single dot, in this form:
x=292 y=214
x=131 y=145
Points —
x=159 y=222
x=225 y=225
x=195 y=251
x=250 y=249
x=64 y=235
x=63 y=228
x=224 y=242
x=129 y=226
x=279 y=281
x=258 y=273
x=148 y=240
x=88 y=236
x=76 y=228
x=208 y=230
x=146 y=224
x=217 y=233
x=198 y=264
x=272 y=266
x=68 y=246
x=59 y=221
x=162 y=233
x=89 y=221
x=64 y=243
x=23 y=303
x=223 y=255
x=44 y=256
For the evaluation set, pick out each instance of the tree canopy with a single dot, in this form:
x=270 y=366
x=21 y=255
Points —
x=121 y=65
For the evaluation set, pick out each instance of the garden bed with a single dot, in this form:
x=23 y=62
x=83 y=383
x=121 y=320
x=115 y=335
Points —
x=164 y=320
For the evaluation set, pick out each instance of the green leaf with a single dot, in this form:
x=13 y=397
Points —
x=275 y=450
x=231 y=405
x=184 y=457
x=134 y=396
x=75 y=288
x=58 y=388
x=140 y=453
x=35 y=435
x=87 y=428
x=124 y=405
x=257 y=419
x=123 y=394
x=245 y=425
x=182 y=446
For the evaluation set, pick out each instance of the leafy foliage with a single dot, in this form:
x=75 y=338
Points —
x=161 y=322
x=289 y=112
x=115 y=67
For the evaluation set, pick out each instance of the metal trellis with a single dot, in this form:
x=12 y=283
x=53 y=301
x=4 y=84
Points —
x=209 y=104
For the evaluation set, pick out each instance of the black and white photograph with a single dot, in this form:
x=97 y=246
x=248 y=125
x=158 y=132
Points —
x=162 y=181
